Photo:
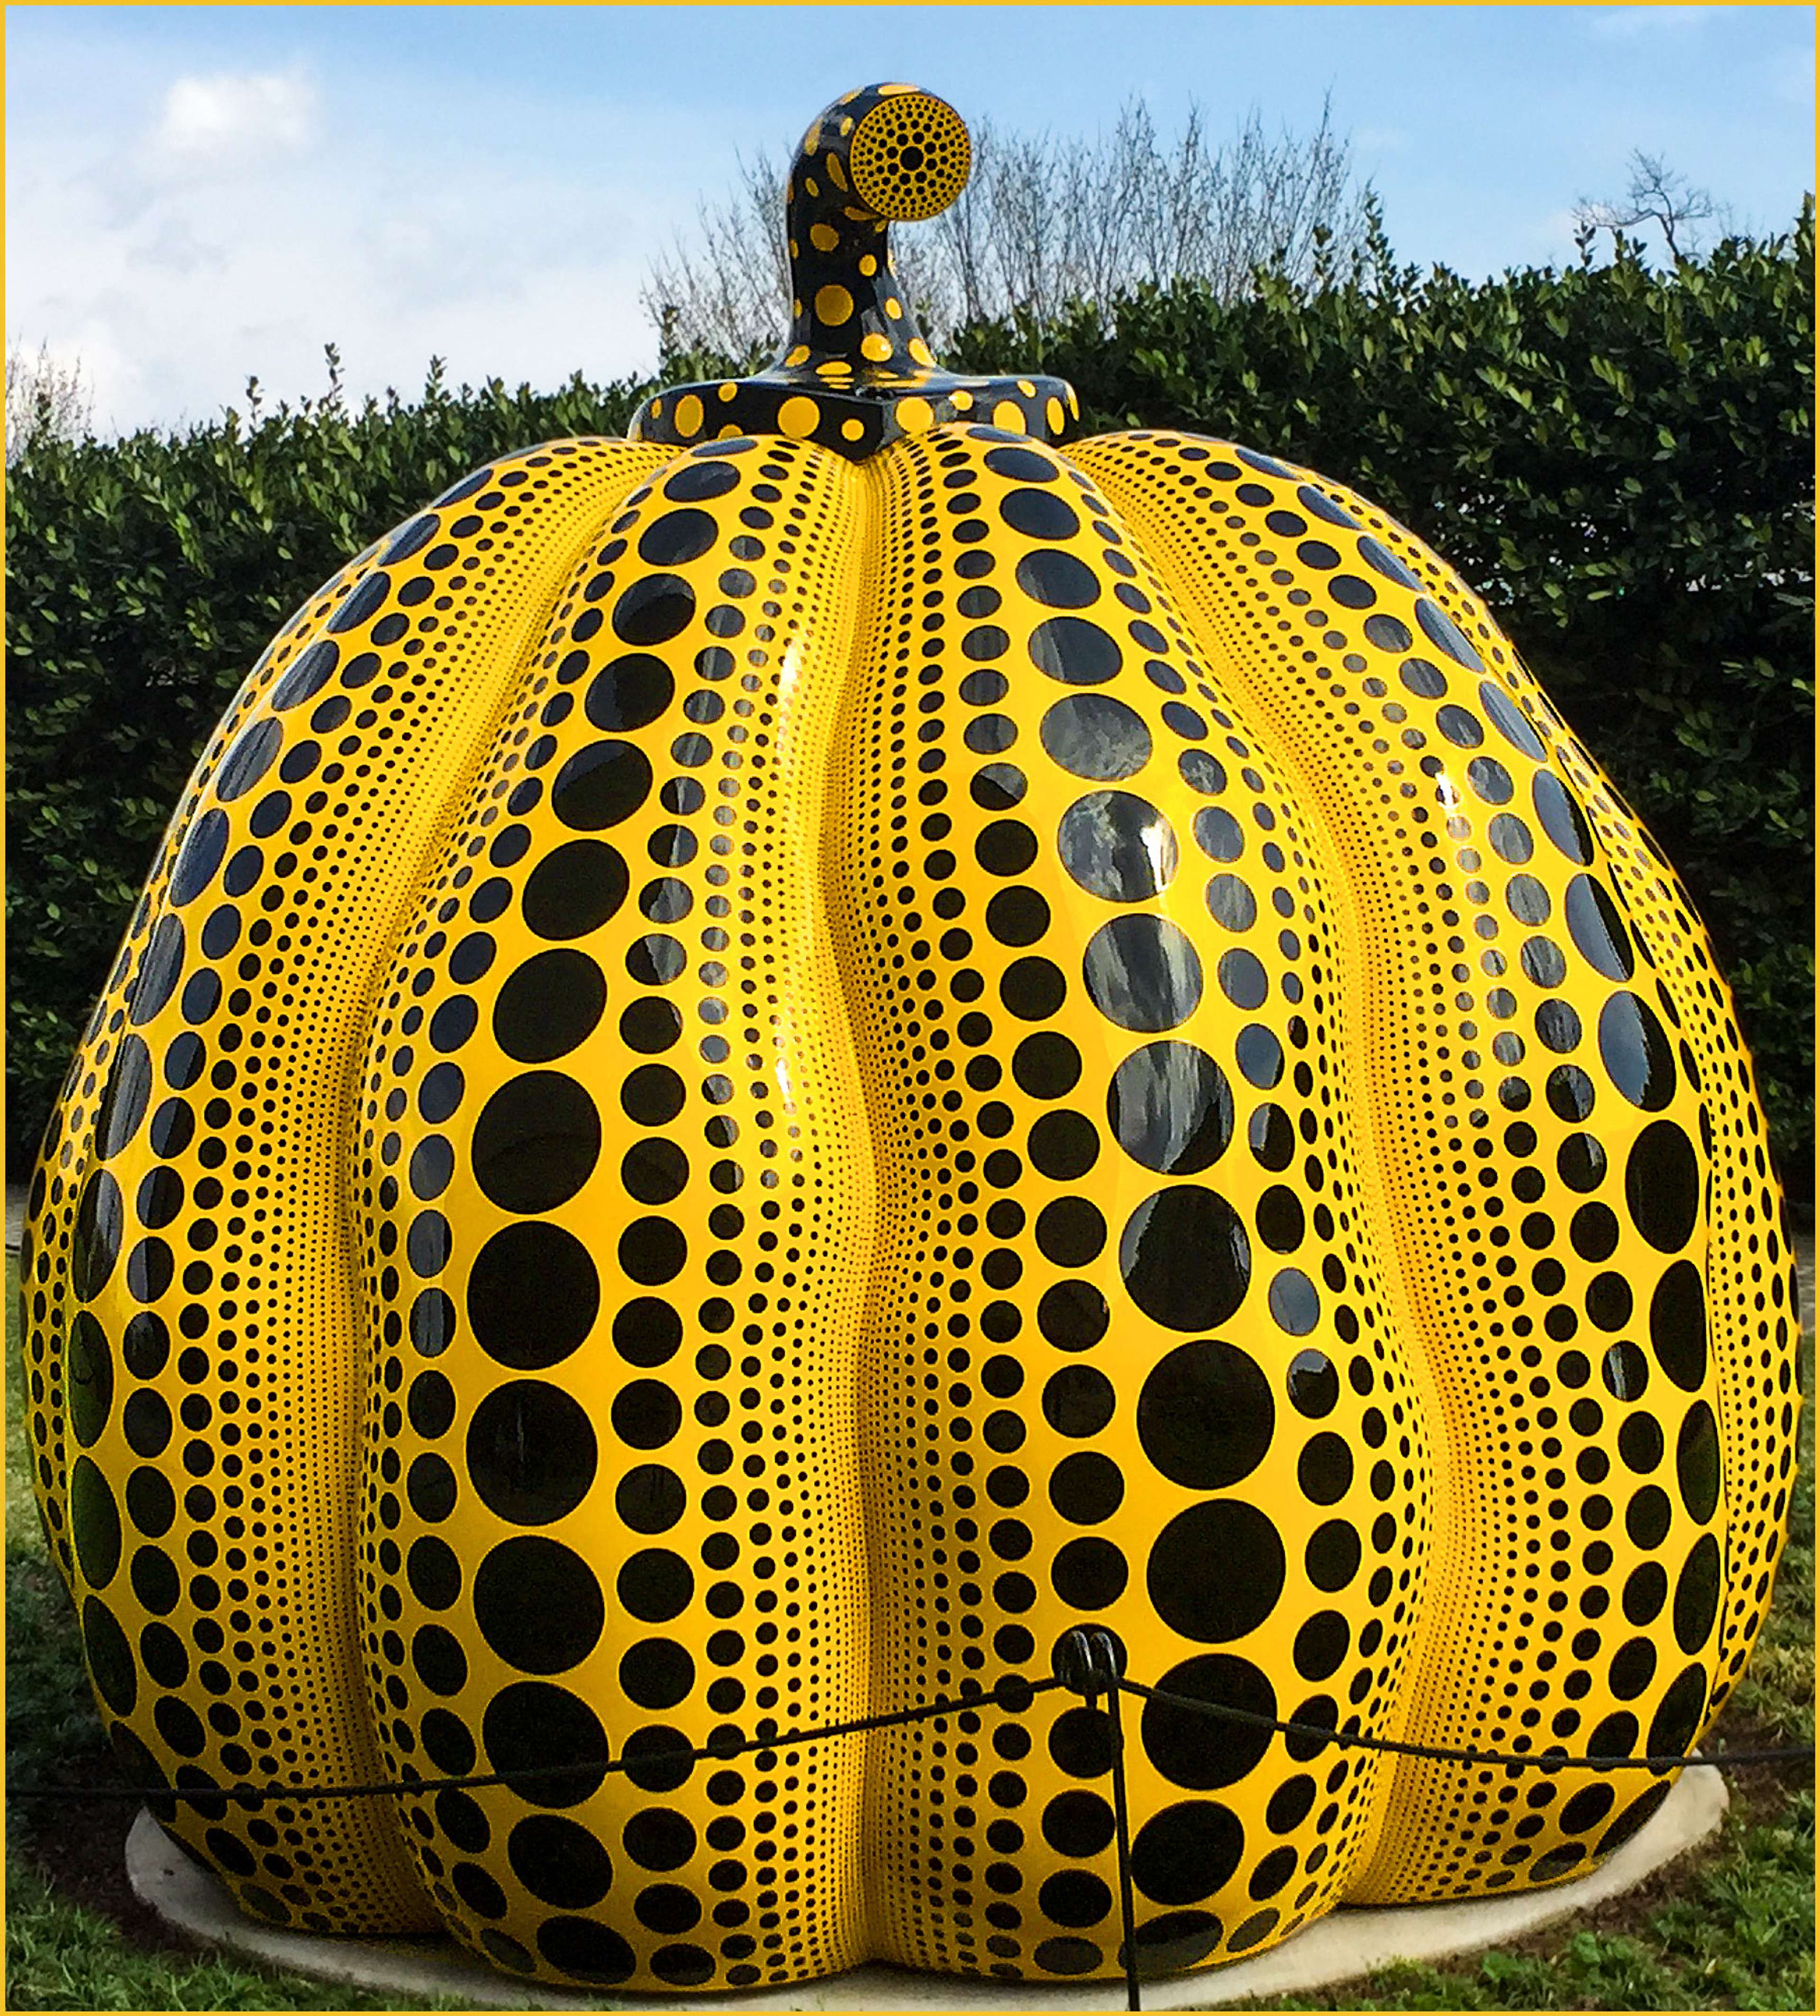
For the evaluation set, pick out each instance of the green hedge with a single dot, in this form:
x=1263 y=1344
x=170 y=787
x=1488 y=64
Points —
x=1620 y=460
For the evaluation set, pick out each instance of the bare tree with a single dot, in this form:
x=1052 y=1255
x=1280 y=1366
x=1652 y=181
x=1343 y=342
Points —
x=45 y=400
x=1658 y=195
x=1044 y=219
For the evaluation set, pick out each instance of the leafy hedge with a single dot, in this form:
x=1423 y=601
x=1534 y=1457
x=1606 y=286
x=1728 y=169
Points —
x=1620 y=460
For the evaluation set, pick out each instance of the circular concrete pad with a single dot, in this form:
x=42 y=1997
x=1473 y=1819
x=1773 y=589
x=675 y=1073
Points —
x=1335 y=1948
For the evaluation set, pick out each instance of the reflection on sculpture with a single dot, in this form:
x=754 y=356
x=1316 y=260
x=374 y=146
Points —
x=767 y=1065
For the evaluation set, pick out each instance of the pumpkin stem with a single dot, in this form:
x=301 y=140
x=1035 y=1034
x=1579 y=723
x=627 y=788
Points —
x=856 y=373
x=886 y=154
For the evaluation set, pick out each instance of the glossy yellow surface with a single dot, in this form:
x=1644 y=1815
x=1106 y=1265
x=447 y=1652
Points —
x=751 y=1084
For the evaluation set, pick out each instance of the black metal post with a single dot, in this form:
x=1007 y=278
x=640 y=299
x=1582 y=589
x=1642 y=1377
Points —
x=1122 y=1824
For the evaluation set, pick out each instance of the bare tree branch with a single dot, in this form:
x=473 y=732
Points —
x=1045 y=220
x=45 y=400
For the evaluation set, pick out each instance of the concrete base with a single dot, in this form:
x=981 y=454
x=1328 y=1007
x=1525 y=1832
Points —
x=1336 y=1948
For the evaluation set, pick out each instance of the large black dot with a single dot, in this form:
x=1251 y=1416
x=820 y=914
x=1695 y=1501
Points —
x=548 y=1005
x=650 y=1499
x=1678 y=1714
x=1677 y=1325
x=537 y=1605
x=1075 y=650
x=1094 y=736
x=633 y=691
x=128 y=1093
x=1187 y=1851
x=587 y=1949
x=601 y=785
x=536 y=1142
x=656 y=1673
x=1563 y=820
x=532 y=1295
x=575 y=890
x=88 y=1378
x=1039 y=514
x=1116 y=846
x=202 y=849
x=1185 y=1257
x=160 y=965
x=1142 y=973
x=95 y=1523
x=1661 y=1186
x=1170 y=1107
x=1636 y=1052
x=655 y=1585
x=1696 y=1594
x=248 y=761
x=530 y=1725
x=1205 y=1415
x=1216 y=1571
x=1697 y=1462
x=1203 y=1752
x=111 y=1665
x=560 y=1863
x=1598 y=930
x=531 y=1452
x=1058 y=580
x=653 y=609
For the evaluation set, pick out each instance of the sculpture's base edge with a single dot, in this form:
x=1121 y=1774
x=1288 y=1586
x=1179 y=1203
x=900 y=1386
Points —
x=1337 y=1948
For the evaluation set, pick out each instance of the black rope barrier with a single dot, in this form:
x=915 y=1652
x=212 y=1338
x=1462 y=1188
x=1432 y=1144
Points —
x=1014 y=1697
x=1088 y=1662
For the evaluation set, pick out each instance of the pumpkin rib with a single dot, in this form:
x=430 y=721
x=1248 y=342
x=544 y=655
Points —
x=277 y=890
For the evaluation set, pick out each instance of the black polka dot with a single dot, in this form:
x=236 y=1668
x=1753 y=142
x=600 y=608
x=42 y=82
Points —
x=1661 y=1186
x=656 y=1673
x=1187 y=1851
x=1205 y=1415
x=1696 y=1463
x=1185 y=1257
x=1696 y=1594
x=538 y=1607
x=601 y=785
x=1636 y=1052
x=586 y=1950
x=1170 y=1107
x=1072 y=1315
x=575 y=890
x=1046 y=1065
x=160 y=966
x=1142 y=973
x=548 y=1005
x=1216 y=1571
x=1562 y=818
x=531 y=1452
x=1057 y=580
x=633 y=690
x=248 y=760
x=204 y=847
x=559 y=1863
x=1677 y=1326
x=1116 y=846
x=653 y=609
x=1204 y=1752
x=1038 y=514
x=537 y=1142
x=1075 y=650
x=1097 y=737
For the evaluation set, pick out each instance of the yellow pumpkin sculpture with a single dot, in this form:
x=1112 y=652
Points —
x=770 y=1064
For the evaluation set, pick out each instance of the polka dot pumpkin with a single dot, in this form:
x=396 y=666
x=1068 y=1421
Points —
x=755 y=1078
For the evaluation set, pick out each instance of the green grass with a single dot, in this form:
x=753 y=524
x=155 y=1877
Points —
x=1730 y=1928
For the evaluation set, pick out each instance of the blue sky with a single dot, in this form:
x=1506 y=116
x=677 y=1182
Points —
x=197 y=194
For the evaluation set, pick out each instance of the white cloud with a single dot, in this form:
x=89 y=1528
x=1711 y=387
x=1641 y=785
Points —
x=1381 y=140
x=1641 y=25
x=208 y=120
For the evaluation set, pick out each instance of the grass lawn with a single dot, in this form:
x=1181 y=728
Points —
x=1730 y=1927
